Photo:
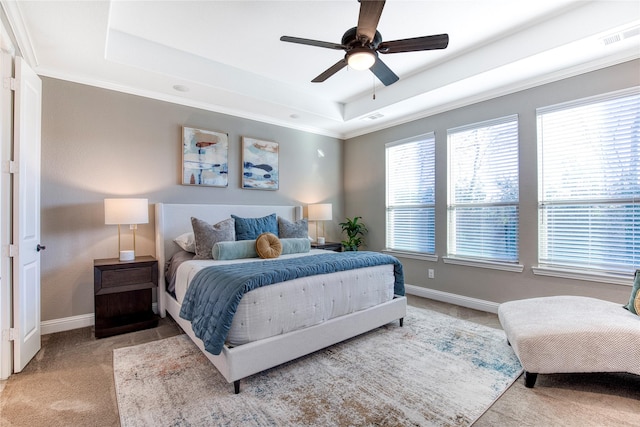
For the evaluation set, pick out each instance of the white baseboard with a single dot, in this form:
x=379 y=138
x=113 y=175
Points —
x=66 y=324
x=73 y=322
x=476 y=304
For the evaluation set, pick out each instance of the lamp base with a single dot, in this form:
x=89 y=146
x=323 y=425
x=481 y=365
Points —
x=127 y=255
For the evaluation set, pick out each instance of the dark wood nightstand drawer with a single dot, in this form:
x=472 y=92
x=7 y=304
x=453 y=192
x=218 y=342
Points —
x=111 y=275
x=130 y=276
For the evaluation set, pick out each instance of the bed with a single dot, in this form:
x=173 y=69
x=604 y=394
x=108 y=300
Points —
x=236 y=361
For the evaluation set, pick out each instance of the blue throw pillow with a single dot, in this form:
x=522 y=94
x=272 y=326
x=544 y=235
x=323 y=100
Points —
x=295 y=246
x=634 y=294
x=234 y=250
x=247 y=248
x=251 y=228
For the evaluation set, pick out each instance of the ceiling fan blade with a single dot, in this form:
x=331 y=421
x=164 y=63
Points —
x=438 y=41
x=383 y=73
x=330 y=71
x=370 y=11
x=310 y=42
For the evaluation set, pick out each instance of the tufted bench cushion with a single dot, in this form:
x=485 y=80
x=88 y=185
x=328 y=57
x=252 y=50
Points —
x=566 y=334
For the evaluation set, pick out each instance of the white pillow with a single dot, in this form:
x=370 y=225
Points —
x=187 y=242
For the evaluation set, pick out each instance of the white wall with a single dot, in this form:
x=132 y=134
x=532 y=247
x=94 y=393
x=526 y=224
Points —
x=365 y=190
x=98 y=143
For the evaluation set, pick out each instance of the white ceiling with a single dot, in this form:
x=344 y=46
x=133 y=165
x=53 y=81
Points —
x=228 y=55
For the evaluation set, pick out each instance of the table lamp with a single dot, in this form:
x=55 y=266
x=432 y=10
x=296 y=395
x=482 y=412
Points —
x=319 y=213
x=126 y=211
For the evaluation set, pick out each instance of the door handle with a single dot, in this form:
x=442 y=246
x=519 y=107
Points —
x=40 y=247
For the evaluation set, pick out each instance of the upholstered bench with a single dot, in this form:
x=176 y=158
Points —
x=566 y=334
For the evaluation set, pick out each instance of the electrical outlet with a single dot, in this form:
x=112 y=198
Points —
x=432 y=273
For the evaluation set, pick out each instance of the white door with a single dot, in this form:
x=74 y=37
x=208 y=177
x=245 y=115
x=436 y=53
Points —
x=26 y=215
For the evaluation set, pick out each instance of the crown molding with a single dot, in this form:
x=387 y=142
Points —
x=20 y=32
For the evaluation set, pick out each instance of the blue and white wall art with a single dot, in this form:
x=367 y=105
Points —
x=204 y=157
x=259 y=164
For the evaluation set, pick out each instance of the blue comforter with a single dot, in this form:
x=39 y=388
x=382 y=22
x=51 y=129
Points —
x=215 y=292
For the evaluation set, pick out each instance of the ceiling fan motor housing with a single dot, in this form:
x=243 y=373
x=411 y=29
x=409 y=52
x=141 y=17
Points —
x=350 y=39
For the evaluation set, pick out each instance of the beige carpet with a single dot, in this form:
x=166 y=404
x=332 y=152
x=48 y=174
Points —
x=436 y=370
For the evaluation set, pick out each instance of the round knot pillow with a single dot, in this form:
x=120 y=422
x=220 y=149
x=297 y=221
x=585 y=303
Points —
x=268 y=246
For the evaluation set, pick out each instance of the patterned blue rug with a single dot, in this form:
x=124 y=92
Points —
x=435 y=371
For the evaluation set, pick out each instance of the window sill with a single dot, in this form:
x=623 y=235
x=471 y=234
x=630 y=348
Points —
x=494 y=265
x=566 y=273
x=412 y=255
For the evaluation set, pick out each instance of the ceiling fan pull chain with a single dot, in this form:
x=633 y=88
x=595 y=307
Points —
x=374 y=87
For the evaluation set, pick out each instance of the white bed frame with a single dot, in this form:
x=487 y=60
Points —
x=239 y=362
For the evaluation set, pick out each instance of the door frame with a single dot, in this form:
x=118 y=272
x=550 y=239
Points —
x=6 y=182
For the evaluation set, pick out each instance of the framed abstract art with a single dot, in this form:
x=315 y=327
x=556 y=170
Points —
x=260 y=164
x=204 y=157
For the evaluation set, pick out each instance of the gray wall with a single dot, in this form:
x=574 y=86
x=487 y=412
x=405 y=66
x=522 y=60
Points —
x=365 y=190
x=98 y=143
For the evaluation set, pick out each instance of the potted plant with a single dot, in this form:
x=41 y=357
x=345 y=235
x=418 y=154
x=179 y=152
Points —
x=355 y=231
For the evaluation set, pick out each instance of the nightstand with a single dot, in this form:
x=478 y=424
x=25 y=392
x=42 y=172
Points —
x=328 y=246
x=122 y=295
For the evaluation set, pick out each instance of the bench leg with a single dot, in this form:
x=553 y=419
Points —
x=236 y=386
x=530 y=379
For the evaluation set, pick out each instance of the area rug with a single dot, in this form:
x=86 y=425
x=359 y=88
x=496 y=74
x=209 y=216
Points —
x=435 y=371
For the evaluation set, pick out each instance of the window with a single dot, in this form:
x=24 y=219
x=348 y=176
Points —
x=411 y=195
x=589 y=184
x=483 y=191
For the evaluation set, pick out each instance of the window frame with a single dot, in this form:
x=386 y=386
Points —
x=470 y=260
x=557 y=269
x=428 y=137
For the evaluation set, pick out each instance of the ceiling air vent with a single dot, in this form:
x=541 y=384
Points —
x=620 y=35
x=615 y=38
x=373 y=116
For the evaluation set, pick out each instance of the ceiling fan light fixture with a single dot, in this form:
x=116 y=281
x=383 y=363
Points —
x=361 y=59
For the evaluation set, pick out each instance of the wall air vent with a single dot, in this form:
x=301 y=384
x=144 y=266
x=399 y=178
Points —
x=620 y=35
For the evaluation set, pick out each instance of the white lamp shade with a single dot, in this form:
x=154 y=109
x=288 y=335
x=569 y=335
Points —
x=320 y=212
x=126 y=211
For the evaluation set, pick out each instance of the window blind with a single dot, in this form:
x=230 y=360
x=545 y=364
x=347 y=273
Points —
x=410 y=197
x=484 y=190
x=589 y=183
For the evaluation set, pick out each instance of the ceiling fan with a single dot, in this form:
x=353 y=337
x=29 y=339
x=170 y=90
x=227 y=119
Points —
x=363 y=43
